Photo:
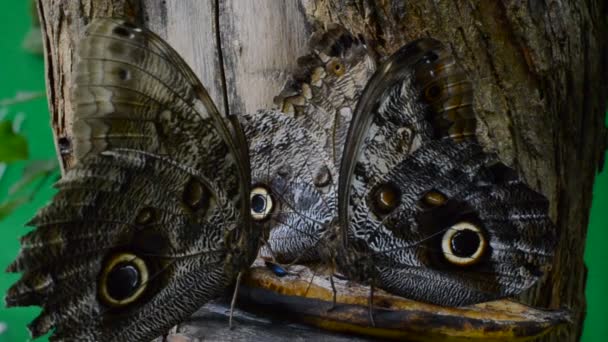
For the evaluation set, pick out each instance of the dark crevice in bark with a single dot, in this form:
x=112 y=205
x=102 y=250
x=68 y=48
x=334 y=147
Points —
x=586 y=105
x=50 y=79
x=222 y=70
x=546 y=116
x=498 y=82
x=85 y=19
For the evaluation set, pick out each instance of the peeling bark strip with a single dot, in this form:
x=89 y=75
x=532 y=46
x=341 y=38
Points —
x=536 y=65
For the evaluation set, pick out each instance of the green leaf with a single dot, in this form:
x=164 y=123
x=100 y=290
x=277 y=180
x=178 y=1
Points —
x=38 y=170
x=8 y=207
x=34 y=171
x=33 y=41
x=13 y=146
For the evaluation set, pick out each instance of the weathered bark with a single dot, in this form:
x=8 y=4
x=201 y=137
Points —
x=537 y=68
x=241 y=51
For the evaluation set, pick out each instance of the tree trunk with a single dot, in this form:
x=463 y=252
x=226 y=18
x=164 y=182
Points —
x=537 y=67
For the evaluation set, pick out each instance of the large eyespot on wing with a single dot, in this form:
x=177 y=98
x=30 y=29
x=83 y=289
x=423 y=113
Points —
x=486 y=236
x=463 y=244
x=389 y=123
x=261 y=203
x=293 y=193
x=386 y=119
x=124 y=278
x=160 y=178
x=119 y=247
x=418 y=94
x=413 y=129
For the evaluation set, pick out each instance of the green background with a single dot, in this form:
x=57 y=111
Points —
x=22 y=71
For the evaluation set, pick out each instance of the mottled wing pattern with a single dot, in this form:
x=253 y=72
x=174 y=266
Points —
x=447 y=190
x=295 y=153
x=392 y=120
x=324 y=89
x=424 y=212
x=292 y=181
x=153 y=220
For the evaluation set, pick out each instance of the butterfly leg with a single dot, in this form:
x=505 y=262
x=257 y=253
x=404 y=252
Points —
x=234 y=295
x=314 y=274
x=265 y=243
x=167 y=336
x=334 y=293
x=371 y=304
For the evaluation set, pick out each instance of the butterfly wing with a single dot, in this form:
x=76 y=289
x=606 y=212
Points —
x=293 y=193
x=324 y=89
x=153 y=220
x=467 y=229
x=295 y=152
x=426 y=213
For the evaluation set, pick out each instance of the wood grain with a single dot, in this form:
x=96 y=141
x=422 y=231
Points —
x=537 y=66
x=261 y=41
x=538 y=69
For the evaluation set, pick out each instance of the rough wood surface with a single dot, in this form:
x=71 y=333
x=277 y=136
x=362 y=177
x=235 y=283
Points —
x=538 y=68
x=241 y=51
x=211 y=324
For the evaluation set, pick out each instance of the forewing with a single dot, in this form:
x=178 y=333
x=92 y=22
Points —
x=415 y=121
x=394 y=117
x=295 y=153
x=153 y=219
x=324 y=89
x=289 y=163
x=407 y=246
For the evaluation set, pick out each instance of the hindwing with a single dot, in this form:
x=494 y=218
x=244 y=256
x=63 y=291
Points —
x=293 y=190
x=424 y=212
x=153 y=220
x=296 y=152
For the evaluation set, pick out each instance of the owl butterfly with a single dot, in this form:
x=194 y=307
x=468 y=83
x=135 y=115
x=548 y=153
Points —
x=153 y=220
x=295 y=153
x=424 y=212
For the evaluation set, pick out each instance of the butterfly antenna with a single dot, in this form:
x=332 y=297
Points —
x=233 y=301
